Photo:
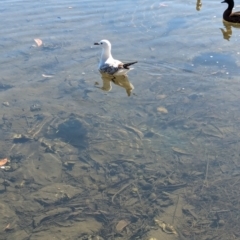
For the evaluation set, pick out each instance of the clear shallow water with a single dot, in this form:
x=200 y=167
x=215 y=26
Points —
x=185 y=66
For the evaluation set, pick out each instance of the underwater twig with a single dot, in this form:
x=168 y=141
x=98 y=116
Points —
x=40 y=128
x=198 y=134
x=56 y=59
x=138 y=194
x=26 y=121
x=217 y=128
x=127 y=185
x=206 y=174
x=174 y=213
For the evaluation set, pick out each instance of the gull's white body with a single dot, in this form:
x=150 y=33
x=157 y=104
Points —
x=107 y=63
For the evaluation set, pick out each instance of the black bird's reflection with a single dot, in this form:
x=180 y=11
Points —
x=121 y=81
x=198 y=5
x=227 y=32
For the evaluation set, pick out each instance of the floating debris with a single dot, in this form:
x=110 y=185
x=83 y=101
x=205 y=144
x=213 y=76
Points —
x=69 y=164
x=47 y=75
x=6 y=168
x=8 y=227
x=134 y=190
x=180 y=151
x=3 y=161
x=121 y=225
x=134 y=130
x=38 y=42
x=3 y=165
x=48 y=147
x=6 y=104
x=162 y=110
x=167 y=228
x=35 y=107
x=20 y=138
x=161 y=96
x=163 y=5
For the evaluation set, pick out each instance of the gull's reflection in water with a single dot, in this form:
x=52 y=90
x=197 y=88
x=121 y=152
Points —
x=198 y=5
x=227 y=32
x=121 y=81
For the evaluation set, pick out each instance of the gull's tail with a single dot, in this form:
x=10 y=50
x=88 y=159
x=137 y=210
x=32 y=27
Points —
x=126 y=65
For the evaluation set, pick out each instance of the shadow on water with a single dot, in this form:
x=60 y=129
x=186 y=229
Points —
x=71 y=131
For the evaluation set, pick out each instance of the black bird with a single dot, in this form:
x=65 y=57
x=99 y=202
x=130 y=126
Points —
x=228 y=15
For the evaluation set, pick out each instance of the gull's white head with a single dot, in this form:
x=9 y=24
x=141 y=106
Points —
x=105 y=44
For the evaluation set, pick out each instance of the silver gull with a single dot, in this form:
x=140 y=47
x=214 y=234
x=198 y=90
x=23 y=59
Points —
x=110 y=65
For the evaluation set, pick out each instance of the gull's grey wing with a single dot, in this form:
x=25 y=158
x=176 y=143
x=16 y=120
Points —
x=119 y=69
x=108 y=69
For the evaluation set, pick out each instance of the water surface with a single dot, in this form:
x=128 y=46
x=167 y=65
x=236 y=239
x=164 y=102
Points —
x=90 y=158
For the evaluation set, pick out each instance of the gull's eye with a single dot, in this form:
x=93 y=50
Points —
x=101 y=42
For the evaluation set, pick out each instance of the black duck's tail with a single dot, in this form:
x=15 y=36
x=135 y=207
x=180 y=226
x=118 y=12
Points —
x=126 y=65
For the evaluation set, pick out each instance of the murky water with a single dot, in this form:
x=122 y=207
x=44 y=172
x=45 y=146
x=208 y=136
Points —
x=138 y=157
